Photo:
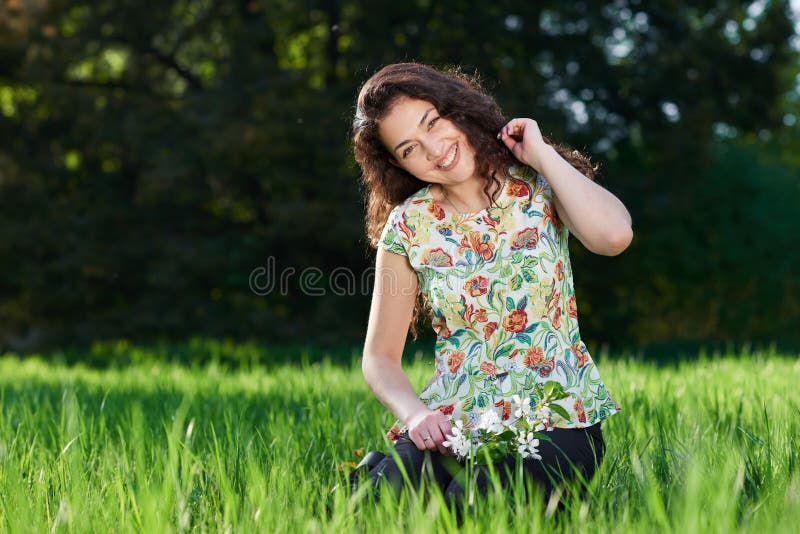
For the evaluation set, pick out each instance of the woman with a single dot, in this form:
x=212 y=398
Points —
x=472 y=213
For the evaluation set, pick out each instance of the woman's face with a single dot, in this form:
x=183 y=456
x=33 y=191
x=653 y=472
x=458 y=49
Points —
x=428 y=146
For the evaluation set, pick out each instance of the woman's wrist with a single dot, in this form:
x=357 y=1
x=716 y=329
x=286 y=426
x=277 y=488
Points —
x=416 y=411
x=540 y=157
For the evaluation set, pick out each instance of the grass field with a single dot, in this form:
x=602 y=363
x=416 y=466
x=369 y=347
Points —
x=707 y=445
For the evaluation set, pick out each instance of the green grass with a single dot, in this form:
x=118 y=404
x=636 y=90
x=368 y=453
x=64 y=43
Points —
x=706 y=445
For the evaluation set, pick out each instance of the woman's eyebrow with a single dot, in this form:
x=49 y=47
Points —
x=420 y=124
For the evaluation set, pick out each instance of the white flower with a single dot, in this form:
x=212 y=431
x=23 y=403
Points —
x=542 y=412
x=523 y=407
x=491 y=422
x=528 y=446
x=458 y=442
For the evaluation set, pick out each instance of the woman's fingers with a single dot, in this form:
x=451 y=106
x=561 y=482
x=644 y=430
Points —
x=424 y=440
x=436 y=432
x=436 y=440
x=418 y=441
x=447 y=430
x=515 y=128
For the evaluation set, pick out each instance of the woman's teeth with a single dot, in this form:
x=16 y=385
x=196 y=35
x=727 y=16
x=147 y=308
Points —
x=450 y=157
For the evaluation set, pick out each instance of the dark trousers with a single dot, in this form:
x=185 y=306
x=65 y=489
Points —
x=568 y=452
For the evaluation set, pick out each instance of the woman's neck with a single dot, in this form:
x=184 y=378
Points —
x=467 y=197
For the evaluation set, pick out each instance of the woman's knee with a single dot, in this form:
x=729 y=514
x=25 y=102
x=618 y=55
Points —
x=391 y=469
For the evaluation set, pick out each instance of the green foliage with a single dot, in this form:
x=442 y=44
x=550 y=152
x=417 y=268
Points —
x=707 y=445
x=155 y=155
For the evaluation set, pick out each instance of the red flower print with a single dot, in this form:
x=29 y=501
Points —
x=437 y=257
x=513 y=354
x=557 y=319
x=580 y=351
x=515 y=321
x=578 y=406
x=526 y=238
x=488 y=220
x=436 y=210
x=552 y=300
x=488 y=330
x=560 y=270
x=393 y=433
x=550 y=215
x=572 y=308
x=517 y=188
x=470 y=311
x=473 y=241
x=477 y=286
x=409 y=233
x=488 y=367
x=455 y=360
x=533 y=357
x=447 y=410
x=506 y=405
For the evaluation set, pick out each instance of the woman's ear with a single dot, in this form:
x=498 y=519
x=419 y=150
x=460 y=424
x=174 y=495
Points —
x=394 y=162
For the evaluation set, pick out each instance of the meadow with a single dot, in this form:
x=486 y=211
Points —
x=705 y=444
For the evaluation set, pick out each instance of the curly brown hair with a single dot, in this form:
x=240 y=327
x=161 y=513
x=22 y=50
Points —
x=458 y=97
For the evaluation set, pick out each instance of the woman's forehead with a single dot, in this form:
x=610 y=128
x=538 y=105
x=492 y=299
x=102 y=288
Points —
x=404 y=117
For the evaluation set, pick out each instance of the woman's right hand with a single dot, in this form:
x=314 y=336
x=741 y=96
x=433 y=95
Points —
x=431 y=424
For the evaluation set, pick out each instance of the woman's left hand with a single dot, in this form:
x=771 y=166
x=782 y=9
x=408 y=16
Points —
x=524 y=140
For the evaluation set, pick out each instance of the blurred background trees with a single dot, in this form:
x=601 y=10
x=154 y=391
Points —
x=154 y=154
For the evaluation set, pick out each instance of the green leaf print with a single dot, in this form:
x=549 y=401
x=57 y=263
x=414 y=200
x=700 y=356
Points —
x=506 y=271
x=530 y=262
x=483 y=399
x=516 y=282
x=524 y=338
x=530 y=276
x=492 y=287
x=522 y=303
x=455 y=335
x=468 y=405
x=531 y=327
x=510 y=304
x=505 y=350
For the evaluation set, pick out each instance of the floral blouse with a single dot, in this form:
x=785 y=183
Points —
x=499 y=283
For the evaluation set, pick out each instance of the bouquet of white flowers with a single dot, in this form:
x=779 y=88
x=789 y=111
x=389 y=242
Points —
x=494 y=438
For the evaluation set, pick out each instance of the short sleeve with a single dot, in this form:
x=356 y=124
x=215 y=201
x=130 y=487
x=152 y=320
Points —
x=543 y=188
x=392 y=239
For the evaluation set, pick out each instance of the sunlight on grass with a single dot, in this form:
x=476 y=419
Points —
x=703 y=445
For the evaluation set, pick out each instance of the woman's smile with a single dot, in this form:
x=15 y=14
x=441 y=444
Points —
x=450 y=159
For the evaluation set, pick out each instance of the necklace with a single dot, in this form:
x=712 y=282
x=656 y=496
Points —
x=456 y=208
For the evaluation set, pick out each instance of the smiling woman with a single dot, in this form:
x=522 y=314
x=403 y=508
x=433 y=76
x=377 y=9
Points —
x=462 y=208
x=432 y=148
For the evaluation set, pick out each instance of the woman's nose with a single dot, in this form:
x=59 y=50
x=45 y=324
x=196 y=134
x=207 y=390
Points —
x=435 y=149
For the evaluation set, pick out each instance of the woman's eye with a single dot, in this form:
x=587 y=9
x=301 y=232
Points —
x=433 y=121
x=407 y=151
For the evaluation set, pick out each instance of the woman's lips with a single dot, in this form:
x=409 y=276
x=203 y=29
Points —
x=455 y=153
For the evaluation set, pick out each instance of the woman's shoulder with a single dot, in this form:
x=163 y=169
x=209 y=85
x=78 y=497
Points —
x=526 y=177
x=414 y=204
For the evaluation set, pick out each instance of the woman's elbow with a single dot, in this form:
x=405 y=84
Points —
x=620 y=241
x=372 y=362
